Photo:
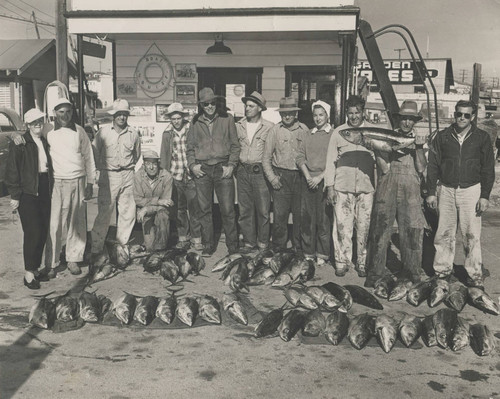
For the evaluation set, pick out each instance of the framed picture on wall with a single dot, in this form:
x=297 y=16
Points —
x=186 y=72
x=161 y=113
x=185 y=93
x=126 y=88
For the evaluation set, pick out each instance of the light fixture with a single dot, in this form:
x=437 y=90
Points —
x=219 y=48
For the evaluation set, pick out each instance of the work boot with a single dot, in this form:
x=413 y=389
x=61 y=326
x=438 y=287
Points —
x=183 y=245
x=74 y=268
x=197 y=246
x=208 y=251
x=361 y=270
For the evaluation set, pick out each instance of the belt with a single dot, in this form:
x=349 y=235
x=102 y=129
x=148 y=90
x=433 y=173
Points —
x=119 y=169
x=252 y=167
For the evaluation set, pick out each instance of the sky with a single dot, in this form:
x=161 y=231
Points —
x=466 y=31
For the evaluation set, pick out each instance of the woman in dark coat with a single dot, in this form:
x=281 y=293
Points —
x=28 y=179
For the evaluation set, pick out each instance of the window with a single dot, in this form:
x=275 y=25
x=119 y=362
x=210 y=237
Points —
x=6 y=124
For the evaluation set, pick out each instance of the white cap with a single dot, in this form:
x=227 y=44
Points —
x=32 y=115
x=120 y=105
x=61 y=101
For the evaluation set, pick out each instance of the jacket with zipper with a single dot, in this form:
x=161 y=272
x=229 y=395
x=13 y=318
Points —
x=252 y=152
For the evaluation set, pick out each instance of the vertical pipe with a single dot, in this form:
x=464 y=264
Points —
x=81 y=93
x=113 y=62
x=346 y=67
x=61 y=43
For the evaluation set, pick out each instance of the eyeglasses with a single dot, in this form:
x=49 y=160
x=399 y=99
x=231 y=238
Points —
x=208 y=104
x=38 y=122
x=466 y=115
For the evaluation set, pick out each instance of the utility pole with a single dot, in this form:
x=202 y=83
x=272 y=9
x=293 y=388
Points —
x=61 y=43
x=463 y=72
x=36 y=24
x=399 y=51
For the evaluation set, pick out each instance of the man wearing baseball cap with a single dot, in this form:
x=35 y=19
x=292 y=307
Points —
x=152 y=194
x=117 y=148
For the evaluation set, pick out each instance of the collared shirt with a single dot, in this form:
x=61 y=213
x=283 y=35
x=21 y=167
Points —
x=281 y=148
x=148 y=191
x=43 y=166
x=178 y=164
x=251 y=151
x=117 y=151
x=312 y=150
x=349 y=167
x=209 y=122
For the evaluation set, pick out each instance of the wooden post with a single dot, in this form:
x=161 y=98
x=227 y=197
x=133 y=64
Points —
x=476 y=84
x=61 y=43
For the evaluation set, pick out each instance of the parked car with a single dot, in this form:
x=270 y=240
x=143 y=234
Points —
x=10 y=122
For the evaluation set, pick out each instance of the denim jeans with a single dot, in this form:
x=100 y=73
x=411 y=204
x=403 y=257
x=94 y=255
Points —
x=254 y=202
x=224 y=188
x=188 y=211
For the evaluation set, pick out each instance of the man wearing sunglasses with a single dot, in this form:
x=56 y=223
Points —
x=462 y=161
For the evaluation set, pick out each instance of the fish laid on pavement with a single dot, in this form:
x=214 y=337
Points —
x=166 y=309
x=185 y=268
x=323 y=298
x=342 y=294
x=428 y=331
x=419 y=292
x=234 y=308
x=482 y=340
x=440 y=291
x=298 y=269
x=460 y=338
x=481 y=300
x=66 y=308
x=376 y=138
x=90 y=307
x=400 y=289
x=363 y=297
x=119 y=254
x=238 y=278
x=384 y=285
x=145 y=310
x=280 y=260
x=104 y=271
x=124 y=308
x=43 y=313
x=336 y=327
x=187 y=310
x=386 y=331
x=169 y=271
x=361 y=329
x=262 y=277
x=221 y=264
x=297 y=296
x=410 y=328
x=444 y=321
x=153 y=262
x=314 y=324
x=106 y=305
x=291 y=324
x=209 y=309
x=196 y=261
x=457 y=298
x=269 y=323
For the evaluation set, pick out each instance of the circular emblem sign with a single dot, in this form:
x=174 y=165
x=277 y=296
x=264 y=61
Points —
x=153 y=74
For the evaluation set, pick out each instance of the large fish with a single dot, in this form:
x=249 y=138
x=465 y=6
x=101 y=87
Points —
x=225 y=261
x=43 y=313
x=440 y=291
x=103 y=272
x=336 y=327
x=187 y=310
x=137 y=251
x=428 y=331
x=323 y=297
x=196 y=261
x=106 y=305
x=419 y=292
x=384 y=285
x=119 y=254
x=66 y=307
x=342 y=294
x=400 y=289
x=298 y=269
x=291 y=324
x=482 y=341
x=361 y=329
x=269 y=323
x=90 y=307
x=386 y=331
x=124 y=308
x=314 y=324
x=280 y=260
x=146 y=309
x=209 y=309
x=234 y=308
x=185 y=267
x=297 y=296
x=166 y=309
x=238 y=277
x=410 y=328
x=363 y=297
x=481 y=300
x=376 y=138
x=460 y=338
x=444 y=321
x=457 y=298
x=169 y=271
x=263 y=276
x=153 y=262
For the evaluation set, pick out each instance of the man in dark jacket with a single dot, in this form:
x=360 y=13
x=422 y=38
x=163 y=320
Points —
x=212 y=153
x=461 y=159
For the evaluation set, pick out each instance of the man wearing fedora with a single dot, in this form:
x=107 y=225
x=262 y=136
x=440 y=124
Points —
x=173 y=159
x=117 y=149
x=152 y=194
x=278 y=161
x=398 y=198
x=254 y=198
x=213 y=152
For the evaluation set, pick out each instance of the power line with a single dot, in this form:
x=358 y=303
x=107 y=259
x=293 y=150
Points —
x=13 y=12
x=22 y=9
x=46 y=30
x=25 y=20
x=32 y=6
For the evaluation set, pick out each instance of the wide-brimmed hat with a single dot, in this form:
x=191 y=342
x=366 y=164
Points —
x=150 y=154
x=409 y=108
x=119 y=105
x=257 y=98
x=288 y=104
x=61 y=101
x=206 y=95
x=176 y=108
x=33 y=115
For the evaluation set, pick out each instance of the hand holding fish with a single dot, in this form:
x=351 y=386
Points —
x=420 y=139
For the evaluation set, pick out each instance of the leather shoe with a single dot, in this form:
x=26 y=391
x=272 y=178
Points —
x=74 y=268
x=33 y=284
x=207 y=252
x=42 y=276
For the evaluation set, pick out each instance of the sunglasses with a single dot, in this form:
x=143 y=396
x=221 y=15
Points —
x=208 y=104
x=466 y=115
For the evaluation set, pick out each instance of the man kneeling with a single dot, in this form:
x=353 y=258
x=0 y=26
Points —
x=152 y=193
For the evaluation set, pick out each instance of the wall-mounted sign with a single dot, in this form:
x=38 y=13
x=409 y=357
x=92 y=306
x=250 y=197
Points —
x=153 y=72
x=399 y=72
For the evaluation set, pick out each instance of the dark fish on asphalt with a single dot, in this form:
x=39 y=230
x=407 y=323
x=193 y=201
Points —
x=169 y=271
x=124 y=308
x=363 y=297
x=457 y=298
x=342 y=294
x=481 y=300
x=297 y=296
x=43 y=313
x=269 y=323
x=314 y=324
x=225 y=261
x=90 y=307
x=137 y=251
x=238 y=277
x=187 y=310
x=145 y=310
x=119 y=254
x=291 y=324
x=185 y=268
x=384 y=286
x=153 y=262
x=106 y=305
x=482 y=340
x=410 y=328
x=336 y=327
x=460 y=338
x=166 y=309
x=66 y=308
x=428 y=331
x=361 y=329
x=262 y=277
x=234 y=308
x=419 y=292
x=376 y=138
x=400 y=289
x=209 y=309
x=104 y=271
x=196 y=261
x=440 y=291
x=444 y=321
x=323 y=297
x=280 y=260
x=386 y=331
x=289 y=273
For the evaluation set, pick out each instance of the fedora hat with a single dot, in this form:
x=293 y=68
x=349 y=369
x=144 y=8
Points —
x=409 y=108
x=33 y=115
x=119 y=105
x=257 y=98
x=206 y=95
x=288 y=104
x=176 y=108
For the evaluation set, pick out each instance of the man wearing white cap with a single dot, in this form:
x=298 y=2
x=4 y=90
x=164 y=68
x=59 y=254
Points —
x=117 y=149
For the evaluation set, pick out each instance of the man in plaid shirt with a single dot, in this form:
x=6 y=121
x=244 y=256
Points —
x=173 y=159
